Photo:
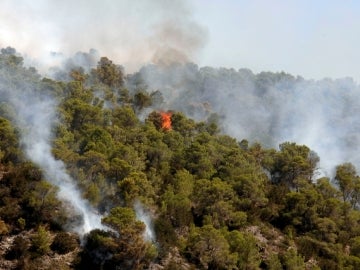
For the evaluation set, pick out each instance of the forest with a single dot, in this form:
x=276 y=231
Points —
x=171 y=188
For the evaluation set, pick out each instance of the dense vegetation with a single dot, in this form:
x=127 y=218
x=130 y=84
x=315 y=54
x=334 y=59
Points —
x=215 y=202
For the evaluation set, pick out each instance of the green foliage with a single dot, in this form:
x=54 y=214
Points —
x=327 y=190
x=292 y=260
x=204 y=190
x=64 y=243
x=293 y=162
x=3 y=228
x=177 y=209
x=349 y=183
x=216 y=198
x=124 y=96
x=42 y=198
x=124 y=117
x=22 y=223
x=198 y=160
x=8 y=142
x=98 y=140
x=92 y=193
x=273 y=262
x=156 y=119
x=165 y=232
x=142 y=100
x=183 y=125
x=136 y=186
x=245 y=246
x=108 y=73
x=301 y=209
x=97 y=251
x=353 y=262
x=209 y=249
x=40 y=242
x=79 y=113
x=125 y=249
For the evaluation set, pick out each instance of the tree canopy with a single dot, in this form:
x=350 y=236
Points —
x=210 y=201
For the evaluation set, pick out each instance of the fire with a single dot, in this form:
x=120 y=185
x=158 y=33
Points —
x=166 y=120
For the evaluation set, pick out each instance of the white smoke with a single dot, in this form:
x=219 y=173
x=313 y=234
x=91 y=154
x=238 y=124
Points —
x=35 y=115
x=129 y=32
x=320 y=114
x=145 y=217
x=270 y=108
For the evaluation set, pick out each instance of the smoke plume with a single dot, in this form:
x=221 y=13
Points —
x=132 y=33
x=145 y=217
x=269 y=108
x=35 y=115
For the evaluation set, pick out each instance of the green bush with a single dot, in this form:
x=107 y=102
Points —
x=64 y=243
x=40 y=242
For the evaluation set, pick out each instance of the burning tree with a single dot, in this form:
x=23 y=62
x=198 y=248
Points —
x=166 y=120
x=161 y=120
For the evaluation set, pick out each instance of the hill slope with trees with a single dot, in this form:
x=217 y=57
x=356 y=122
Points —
x=185 y=197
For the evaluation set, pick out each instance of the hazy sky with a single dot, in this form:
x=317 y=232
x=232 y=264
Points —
x=314 y=39
x=311 y=38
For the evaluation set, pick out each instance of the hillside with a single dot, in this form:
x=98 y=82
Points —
x=102 y=170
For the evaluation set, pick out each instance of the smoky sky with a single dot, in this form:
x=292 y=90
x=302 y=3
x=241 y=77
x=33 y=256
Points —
x=314 y=39
x=321 y=114
x=130 y=32
x=270 y=108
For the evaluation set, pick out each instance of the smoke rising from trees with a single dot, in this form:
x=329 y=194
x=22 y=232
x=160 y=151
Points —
x=35 y=116
x=145 y=217
x=269 y=108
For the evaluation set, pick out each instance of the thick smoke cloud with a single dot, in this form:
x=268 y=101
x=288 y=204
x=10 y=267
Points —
x=266 y=107
x=269 y=108
x=132 y=33
x=129 y=32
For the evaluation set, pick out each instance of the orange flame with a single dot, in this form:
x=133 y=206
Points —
x=166 y=120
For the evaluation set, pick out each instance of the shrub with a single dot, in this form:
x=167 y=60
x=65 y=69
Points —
x=64 y=243
x=18 y=249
